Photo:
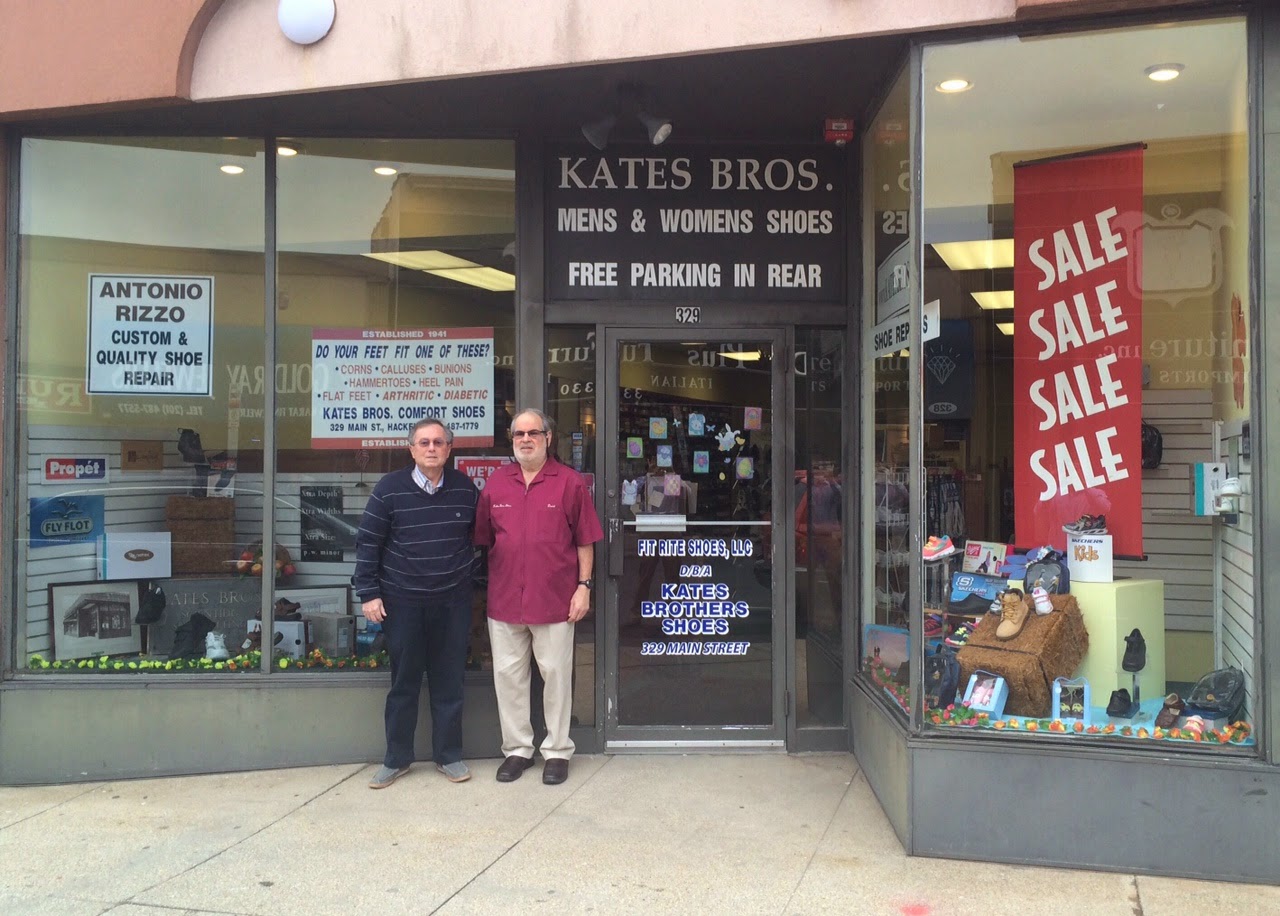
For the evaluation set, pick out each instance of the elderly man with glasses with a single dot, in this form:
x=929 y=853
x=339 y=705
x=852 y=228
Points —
x=538 y=522
x=414 y=577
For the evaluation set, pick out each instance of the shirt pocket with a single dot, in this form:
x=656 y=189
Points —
x=548 y=525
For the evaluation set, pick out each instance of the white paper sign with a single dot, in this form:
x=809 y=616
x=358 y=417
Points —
x=150 y=334
x=370 y=387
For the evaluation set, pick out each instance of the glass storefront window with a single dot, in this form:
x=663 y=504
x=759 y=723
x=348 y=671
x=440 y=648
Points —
x=1086 y=238
x=886 y=427
x=395 y=303
x=819 y=525
x=140 y=295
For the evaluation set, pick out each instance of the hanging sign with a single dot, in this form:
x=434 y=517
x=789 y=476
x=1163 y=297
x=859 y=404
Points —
x=369 y=388
x=150 y=334
x=696 y=223
x=1077 y=369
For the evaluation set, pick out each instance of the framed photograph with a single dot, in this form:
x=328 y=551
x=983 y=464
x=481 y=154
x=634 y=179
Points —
x=321 y=599
x=89 y=619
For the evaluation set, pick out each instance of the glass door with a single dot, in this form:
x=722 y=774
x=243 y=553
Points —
x=693 y=444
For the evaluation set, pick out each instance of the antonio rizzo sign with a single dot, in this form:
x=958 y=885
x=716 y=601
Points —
x=697 y=223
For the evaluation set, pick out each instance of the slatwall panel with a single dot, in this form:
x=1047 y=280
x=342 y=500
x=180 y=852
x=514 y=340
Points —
x=139 y=506
x=1236 y=639
x=1179 y=545
x=135 y=501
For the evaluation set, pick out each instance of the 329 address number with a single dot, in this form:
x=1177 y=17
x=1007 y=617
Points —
x=688 y=314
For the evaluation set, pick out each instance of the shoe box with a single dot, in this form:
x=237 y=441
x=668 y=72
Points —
x=294 y=643
x=333 y=634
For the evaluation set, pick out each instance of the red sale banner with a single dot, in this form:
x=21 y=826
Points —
x=1077 y=373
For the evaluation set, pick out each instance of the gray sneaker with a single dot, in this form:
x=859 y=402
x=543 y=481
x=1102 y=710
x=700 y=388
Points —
x=454 y=772
x=386 y=776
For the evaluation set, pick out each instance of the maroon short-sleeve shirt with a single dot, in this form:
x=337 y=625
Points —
x=533 y=535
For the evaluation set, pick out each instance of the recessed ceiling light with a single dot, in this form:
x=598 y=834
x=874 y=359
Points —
x=286 y=151
x=1162 y=73
x=385 y=170
x=1006 y=328
x=954 y=85
x=232 y=169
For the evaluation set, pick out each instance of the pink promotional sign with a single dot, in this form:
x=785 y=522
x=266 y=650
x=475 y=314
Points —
x=1077 y=375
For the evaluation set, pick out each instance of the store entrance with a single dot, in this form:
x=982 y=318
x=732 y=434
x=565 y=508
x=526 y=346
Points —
x=692 y=450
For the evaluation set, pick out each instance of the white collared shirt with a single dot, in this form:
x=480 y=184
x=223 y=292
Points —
x=423 y=481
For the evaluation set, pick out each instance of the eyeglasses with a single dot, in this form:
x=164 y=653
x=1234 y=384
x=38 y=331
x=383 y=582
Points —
x=438 y=443
x=527 y=433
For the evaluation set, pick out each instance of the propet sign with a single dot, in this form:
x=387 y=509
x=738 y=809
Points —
x=698 y=223
x=150 y=334
x=76 y=470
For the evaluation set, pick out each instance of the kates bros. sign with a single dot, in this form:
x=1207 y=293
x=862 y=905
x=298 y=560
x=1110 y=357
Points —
x=704 y=224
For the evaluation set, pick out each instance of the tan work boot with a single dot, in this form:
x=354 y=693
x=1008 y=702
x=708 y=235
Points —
x=1013 y=614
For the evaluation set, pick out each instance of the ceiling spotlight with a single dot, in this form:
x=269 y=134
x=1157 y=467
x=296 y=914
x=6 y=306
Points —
x=659 y=128
x=597 y=132
x=1162 y=73
x=629 y=101
x=385 y=170
x=231 y=169
x=954 y=85
x=285 y=150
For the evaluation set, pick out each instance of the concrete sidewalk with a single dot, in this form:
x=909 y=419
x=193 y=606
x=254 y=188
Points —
x=638 y=834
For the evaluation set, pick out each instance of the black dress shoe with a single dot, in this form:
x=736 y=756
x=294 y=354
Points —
x=513 y=767
x=555 y=771
x=1135 y=653
x=1121 y=705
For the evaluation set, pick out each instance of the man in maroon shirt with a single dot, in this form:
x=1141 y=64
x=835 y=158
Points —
x=538 y=522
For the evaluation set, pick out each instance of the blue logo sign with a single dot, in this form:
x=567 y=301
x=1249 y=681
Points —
x=57 y=520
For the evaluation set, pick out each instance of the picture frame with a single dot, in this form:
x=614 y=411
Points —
x=91 y=619
x=319 y=599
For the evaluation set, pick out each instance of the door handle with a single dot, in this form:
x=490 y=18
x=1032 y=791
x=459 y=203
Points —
x=615 y=546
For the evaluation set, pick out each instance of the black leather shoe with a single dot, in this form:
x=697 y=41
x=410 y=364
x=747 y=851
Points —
x=1135 y=653
x=1121 y=705
x=555 y=771
x=513 y=767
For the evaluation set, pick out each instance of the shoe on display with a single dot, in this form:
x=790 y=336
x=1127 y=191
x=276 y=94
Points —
x=1230 y=487
x=960 y=636
x=1171 y=712
x=1135 y=653
x=215 y=647
x=1121 y=705
x=936 y=548
x=933 y=626
x=1194 y=725
x=1014 y=610
x=1087 y=524
x=1042 y=602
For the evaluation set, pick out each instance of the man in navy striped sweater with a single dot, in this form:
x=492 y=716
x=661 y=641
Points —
x=413 y=575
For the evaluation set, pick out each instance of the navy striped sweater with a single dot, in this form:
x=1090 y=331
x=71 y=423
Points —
x=414 y=544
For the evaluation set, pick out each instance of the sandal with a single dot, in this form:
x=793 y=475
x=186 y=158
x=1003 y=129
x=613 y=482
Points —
x=1172 y=711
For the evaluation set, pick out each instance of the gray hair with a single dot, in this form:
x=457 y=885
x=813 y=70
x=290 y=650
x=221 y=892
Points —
x=547 y=423
x=431 y=421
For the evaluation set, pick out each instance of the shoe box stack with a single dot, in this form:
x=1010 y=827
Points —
x=203 y=534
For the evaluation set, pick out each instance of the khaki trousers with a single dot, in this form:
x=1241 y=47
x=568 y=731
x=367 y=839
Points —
x=514 y=646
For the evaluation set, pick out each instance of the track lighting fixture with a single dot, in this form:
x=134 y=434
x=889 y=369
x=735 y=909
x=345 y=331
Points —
x=630 y=101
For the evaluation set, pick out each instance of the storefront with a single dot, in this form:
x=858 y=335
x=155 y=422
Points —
x=830 y=383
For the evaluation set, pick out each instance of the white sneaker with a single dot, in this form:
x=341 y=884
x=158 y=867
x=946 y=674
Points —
x=1042 y=602
x=215 y=647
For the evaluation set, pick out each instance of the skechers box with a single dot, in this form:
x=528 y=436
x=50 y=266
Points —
x=972 y=593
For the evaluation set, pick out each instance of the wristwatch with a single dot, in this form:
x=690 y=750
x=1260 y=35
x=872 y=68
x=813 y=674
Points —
x=590 y=584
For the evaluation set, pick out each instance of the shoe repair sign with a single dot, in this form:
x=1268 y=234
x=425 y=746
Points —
x=1077 y=369
x=150 y=334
